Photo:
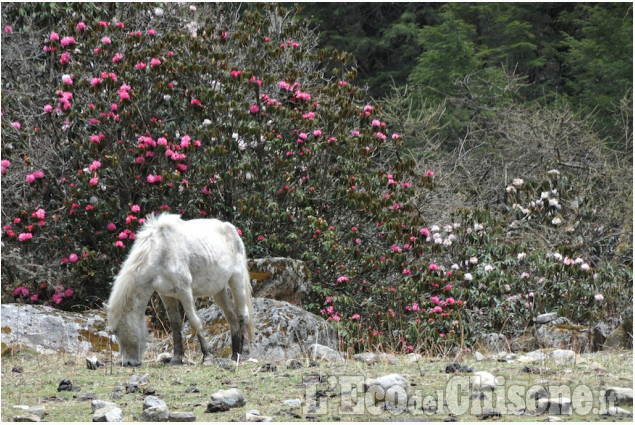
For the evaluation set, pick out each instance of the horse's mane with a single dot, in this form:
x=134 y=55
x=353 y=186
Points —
x=139 y=256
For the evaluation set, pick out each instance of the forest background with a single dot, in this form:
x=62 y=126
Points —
x=445 y=170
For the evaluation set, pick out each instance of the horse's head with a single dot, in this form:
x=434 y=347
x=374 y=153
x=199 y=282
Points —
x=131 y=333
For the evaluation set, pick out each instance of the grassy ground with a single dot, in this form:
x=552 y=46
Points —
x=266 y=391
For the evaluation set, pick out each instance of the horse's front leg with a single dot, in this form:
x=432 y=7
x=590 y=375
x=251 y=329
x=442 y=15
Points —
x=195 y=323
x=174 y=316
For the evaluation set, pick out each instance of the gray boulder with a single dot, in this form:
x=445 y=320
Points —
x=232 y=397
x=108 y=414
x=279 y=278
x=494 y=342
x=282 y=331
x=51 y=331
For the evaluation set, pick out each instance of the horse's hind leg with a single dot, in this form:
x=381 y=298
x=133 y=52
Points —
x=174 y=315
x=223 y=300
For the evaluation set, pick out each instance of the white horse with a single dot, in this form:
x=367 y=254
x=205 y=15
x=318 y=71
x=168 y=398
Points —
x=182 y=261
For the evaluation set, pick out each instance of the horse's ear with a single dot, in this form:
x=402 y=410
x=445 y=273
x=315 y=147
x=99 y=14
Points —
x=106 y=306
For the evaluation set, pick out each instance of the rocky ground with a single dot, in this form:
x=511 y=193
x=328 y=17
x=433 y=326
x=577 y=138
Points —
x=554 y=385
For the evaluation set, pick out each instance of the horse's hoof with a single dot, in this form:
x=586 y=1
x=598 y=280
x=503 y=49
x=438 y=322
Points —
x=176 y=361
x=208 y=360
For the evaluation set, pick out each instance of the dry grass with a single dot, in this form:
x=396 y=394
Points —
x=266 y=391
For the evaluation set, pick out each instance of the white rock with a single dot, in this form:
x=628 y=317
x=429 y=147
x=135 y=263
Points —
x=546 y=317
x=619 y=395
x=412 y=358
x=478 y=356
x=232 y=397
x=392 y=388
x=554 y=405
x=483 y=381
x=156 y=414
x=108 y=414
x=152 y=401
x=296 y=402
x=368 y=358
x=322 y=352
x=96 y=404
x=563 y=356
x=536 y=355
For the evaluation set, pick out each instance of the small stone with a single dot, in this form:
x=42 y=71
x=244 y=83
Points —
x=27 y=417
x=192 y=390
x=155 y=414
x=268 y=367
x=254 y=416
x=536 y=355
x=483 y=381
x=38 y=411
x=182 y=417
x=478 y=356
x=149 y=391
x=138 y=380
x=553 y=419
x=457 y=367
x=152 y=401
x=392 y=388
x=96 y=404
x=92 y=363
x=368 y=358
x=563 y=356
x=21 y=407
x=232 y=397
x=296 y=402
x=17 y=369
x=108 y=414
x=538 y=393
x=65 y=385
x=217 y=406
x=322 y=352
x=293 y=364
x=554 y=406
x=619 y=395
x=132 y=388
x=545 y=318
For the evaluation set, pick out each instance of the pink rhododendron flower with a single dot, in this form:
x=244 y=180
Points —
x=48 y=109
x=80 y=26
x=40 y=214
x=112 y=227
x=118 y=56
x=599 y=297
x=395 y=136
x=8 y=29
x=4 y=164
x=120 y=244
x=66 y=41
x=16 y=125
x=433 y=267
x=140 y=65
x=254 y=109
x=106 y=40
x=155 y=62
x=73 y=258
x=135 y=208
x=342 y=279
x=65 y=58
x=22 y=237
x=21 y=291
x=54 y=36
x=94 y=181
x=355 y=316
